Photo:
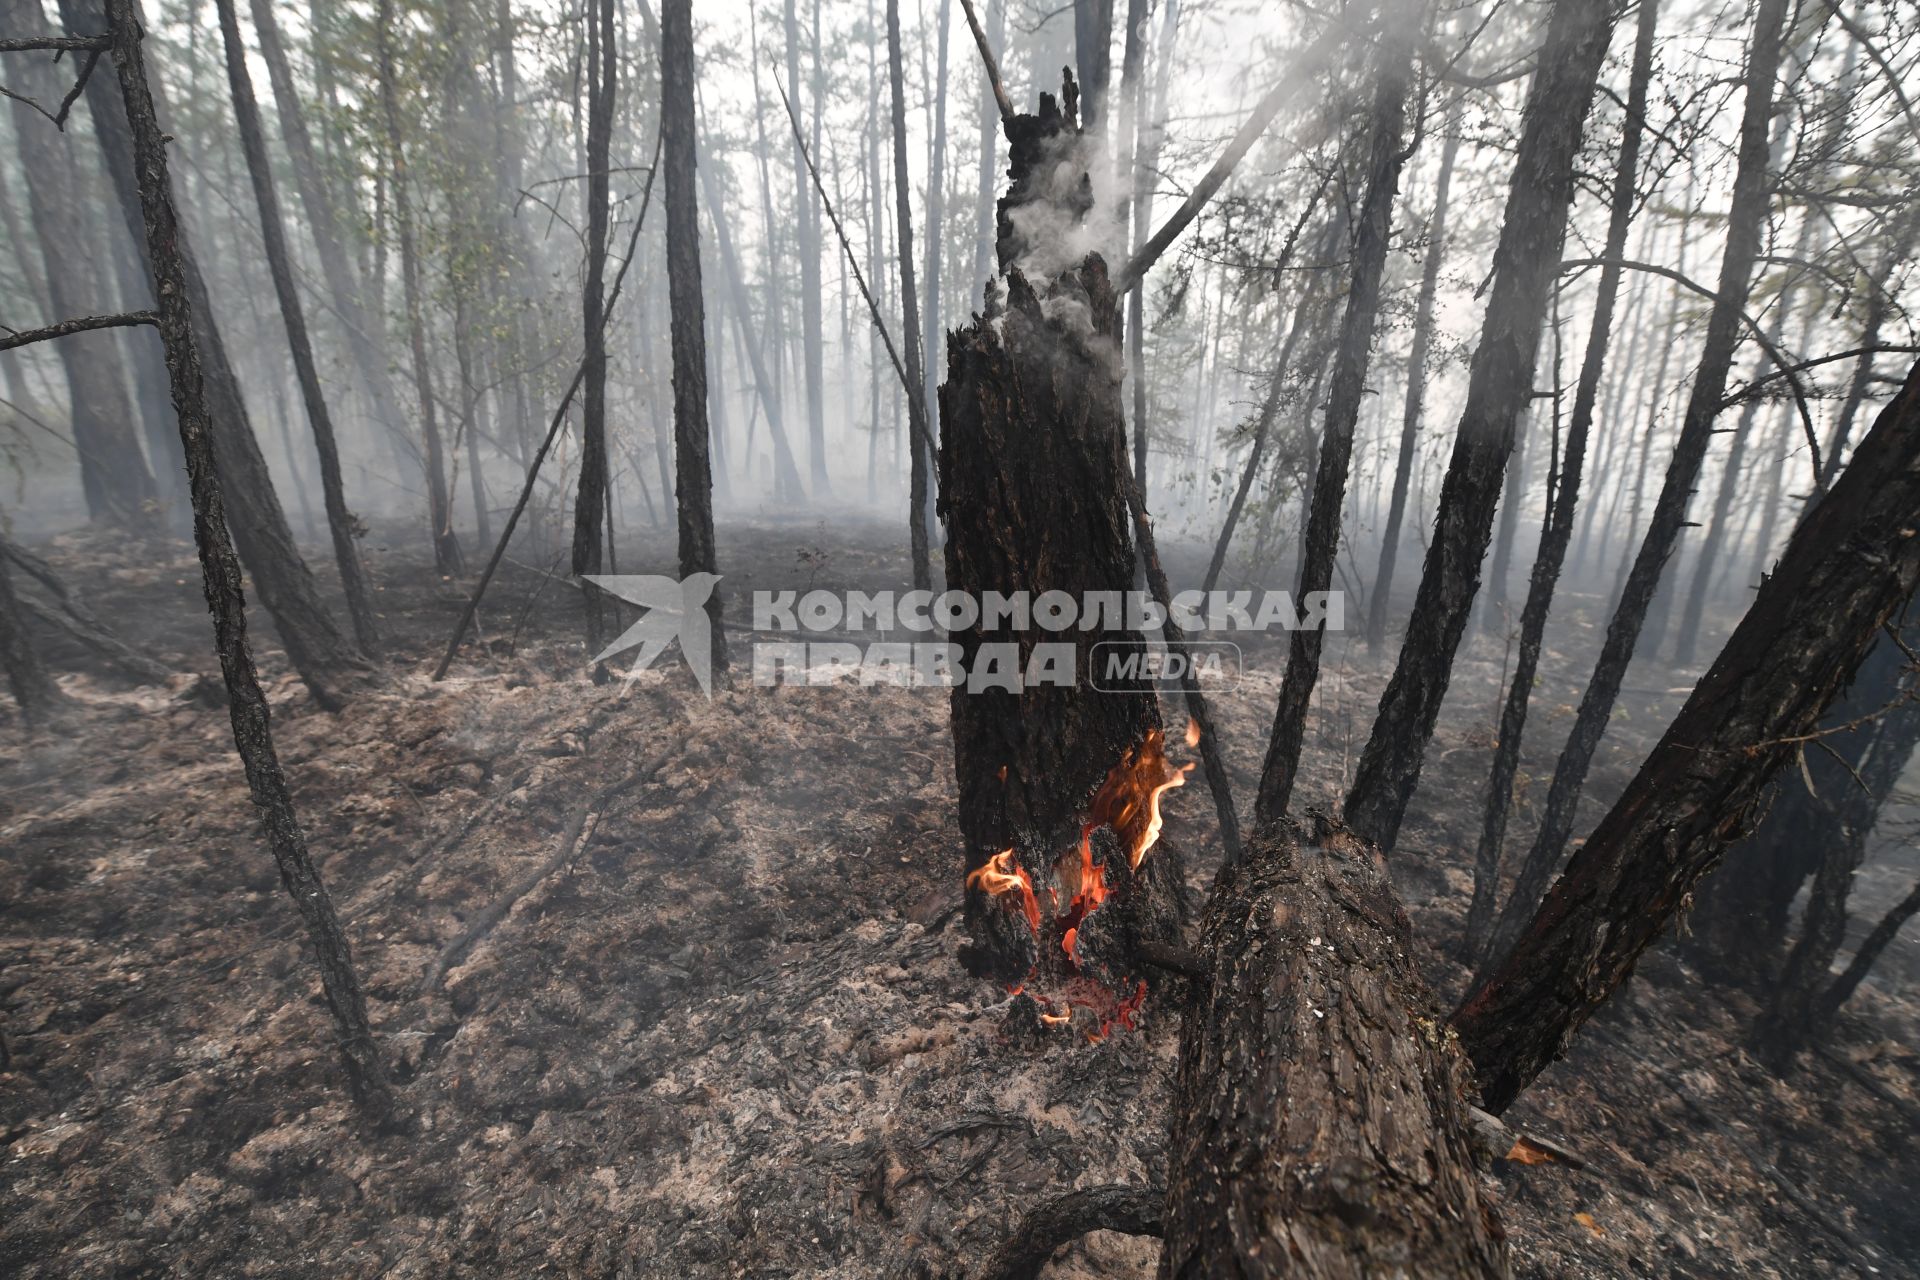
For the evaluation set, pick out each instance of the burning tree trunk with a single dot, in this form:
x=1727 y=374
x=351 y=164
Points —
x=1850 y=565
x=1033 y=395
x=1499 y=388
x=220 y=568
x=1320 y=1127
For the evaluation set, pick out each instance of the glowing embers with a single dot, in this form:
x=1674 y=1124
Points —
x=1127 y=802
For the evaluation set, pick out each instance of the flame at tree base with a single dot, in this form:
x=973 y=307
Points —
x=1128 y=802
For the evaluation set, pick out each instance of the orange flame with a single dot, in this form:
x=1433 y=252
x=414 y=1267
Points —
x=1129 y=800
x=1000 y=876
x=1193 y=732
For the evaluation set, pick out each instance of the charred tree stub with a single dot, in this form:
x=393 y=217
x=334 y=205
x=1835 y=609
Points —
x=1059 y=783
x=1320 y=1127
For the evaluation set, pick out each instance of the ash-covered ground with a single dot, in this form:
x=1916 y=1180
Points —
x=729 y=1037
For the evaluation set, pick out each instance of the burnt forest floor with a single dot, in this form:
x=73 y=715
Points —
x=731 y=1037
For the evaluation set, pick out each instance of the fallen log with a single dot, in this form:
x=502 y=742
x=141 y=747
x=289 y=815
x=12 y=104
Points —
x=1320 y=1125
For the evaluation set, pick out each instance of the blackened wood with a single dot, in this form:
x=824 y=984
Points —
x=693 y=473
x=1849 y=566
x=1320 y=1125
x=220 y=572
x=1746 y=227
x=1863 y=960
x=1499 y=389
x=1558 y=534
x=253 y=143
x=68 y=328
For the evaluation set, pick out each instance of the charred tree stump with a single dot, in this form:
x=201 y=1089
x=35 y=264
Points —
x=1059 y=783
x=1320 y=1125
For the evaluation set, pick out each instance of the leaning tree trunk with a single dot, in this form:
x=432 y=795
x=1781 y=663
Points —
x=1373 y=227
x=1319 y=1123
x=911 y=354
x=1834 y=997
x=1850 y=565
x=316 y=647
x=693 y=474
x=220 y=570
x=1558 y=534
x=1499 y=389
x=1746 y=225
x=1033 y=395
x=340 y=521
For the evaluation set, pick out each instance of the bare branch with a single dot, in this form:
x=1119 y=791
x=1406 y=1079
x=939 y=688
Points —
x=1007 y=112
x=67 y=328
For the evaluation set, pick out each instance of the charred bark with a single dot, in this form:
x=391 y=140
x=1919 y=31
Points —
x=1320 y=1125
x=220 y=568
x=1850 y=565
x=1558 y=533
x=1835 y=997
x=693 y=475
x=1745 y=227
x=1033 y=396
x=1499 y=388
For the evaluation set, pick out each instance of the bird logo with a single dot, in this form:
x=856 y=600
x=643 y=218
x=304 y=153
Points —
x=676 y=609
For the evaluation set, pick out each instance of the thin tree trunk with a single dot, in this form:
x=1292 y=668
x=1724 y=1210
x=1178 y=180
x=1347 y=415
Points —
x=247 y=704
x=693 y=480
x=340 y=520
x=446 y=544
x=1848 y=568
x=1566 y=496
x=363 y=332
x=1745 y=226
x=1499 y=388
x=1837 y=995
x=1144 y=171
x=930 y=317
x=1417 y=358
x=1400 y=23
x=909 y=308
x=590 y=500
x=807 y=229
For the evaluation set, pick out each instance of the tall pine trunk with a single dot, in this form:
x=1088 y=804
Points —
x=1499 y=389
x=910 y=310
